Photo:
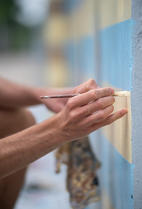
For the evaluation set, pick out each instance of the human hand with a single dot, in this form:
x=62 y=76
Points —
x=56 y=105
x=87 y=112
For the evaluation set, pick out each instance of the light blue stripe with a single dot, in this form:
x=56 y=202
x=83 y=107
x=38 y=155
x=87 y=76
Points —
x=71 y=54
x=115 y=58
x=116 y=174
x=116 y=54
x=86 y=56
x=80 y=57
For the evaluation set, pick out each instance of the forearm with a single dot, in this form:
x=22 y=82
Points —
x=81 y=115
x=18 y=150
x=14 y=95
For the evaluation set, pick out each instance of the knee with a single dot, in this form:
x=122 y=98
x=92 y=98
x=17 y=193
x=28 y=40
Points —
x=28 y=118
x=14 y=121
x=24 y=118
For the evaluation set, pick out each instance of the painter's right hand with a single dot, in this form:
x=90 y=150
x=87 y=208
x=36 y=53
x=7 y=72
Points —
x=89 y=111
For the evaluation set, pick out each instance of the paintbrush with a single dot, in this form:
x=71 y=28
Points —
x=121 y=93
x=59 y=96
x=117 y=93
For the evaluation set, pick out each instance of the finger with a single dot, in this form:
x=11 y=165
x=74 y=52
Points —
x=87 y=86
x=90 y=96
x=97 y=117
x=101 y=103
x=112 y=118
x=119 y=114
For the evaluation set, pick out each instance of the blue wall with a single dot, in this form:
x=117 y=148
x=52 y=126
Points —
x=113 y=54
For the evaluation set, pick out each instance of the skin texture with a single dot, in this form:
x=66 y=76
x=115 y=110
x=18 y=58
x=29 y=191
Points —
x=81 y=115
x=22 y=142
x=12 y=122
x=15 y=96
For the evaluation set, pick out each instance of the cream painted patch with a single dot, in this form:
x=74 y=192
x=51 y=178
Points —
x=106 y=203
x=122 y=93
x=55 y=31
x=112 y=12
x=82 y=20
x=94 y=14
x=119 y=133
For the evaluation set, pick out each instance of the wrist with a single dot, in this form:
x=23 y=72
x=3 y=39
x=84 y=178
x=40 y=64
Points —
x=54 y=131
x=62 y=128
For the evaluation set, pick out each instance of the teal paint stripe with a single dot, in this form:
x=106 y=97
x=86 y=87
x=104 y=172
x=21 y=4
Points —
x=71 y=54
x=116 y=174
x=116 y=54
x=80 y=57
x=115 y=57
x=86 y=56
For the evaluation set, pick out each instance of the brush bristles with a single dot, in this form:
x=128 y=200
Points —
x=122 y=93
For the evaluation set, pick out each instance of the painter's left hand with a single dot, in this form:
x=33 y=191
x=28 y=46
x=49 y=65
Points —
x=56 y=105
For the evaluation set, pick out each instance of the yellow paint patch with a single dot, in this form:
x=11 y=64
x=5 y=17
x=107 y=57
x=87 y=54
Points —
x=82 y=20
x=113 y=11
x=93 y=15
x=119 y=133
x=106 y=203
x=55 y=32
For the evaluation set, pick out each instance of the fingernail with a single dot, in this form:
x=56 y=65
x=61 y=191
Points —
x=123 y=112
x=111 y=91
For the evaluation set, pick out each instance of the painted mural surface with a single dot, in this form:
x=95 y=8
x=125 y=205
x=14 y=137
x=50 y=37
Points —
x=99 y=45
x=95 y=37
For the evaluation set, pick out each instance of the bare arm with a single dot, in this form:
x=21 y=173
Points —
x=18 y=150
x=81 y=115
x=14 y=95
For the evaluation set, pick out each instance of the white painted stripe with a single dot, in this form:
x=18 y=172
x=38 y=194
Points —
x=106 y=203
x=112 y=12
x=93 y=15
x=119 y=133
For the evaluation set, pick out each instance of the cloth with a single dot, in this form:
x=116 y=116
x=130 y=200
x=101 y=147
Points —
x=82 y=164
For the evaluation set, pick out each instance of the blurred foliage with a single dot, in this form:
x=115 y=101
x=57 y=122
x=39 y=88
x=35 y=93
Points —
x=8 y=9
x=15 y=35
